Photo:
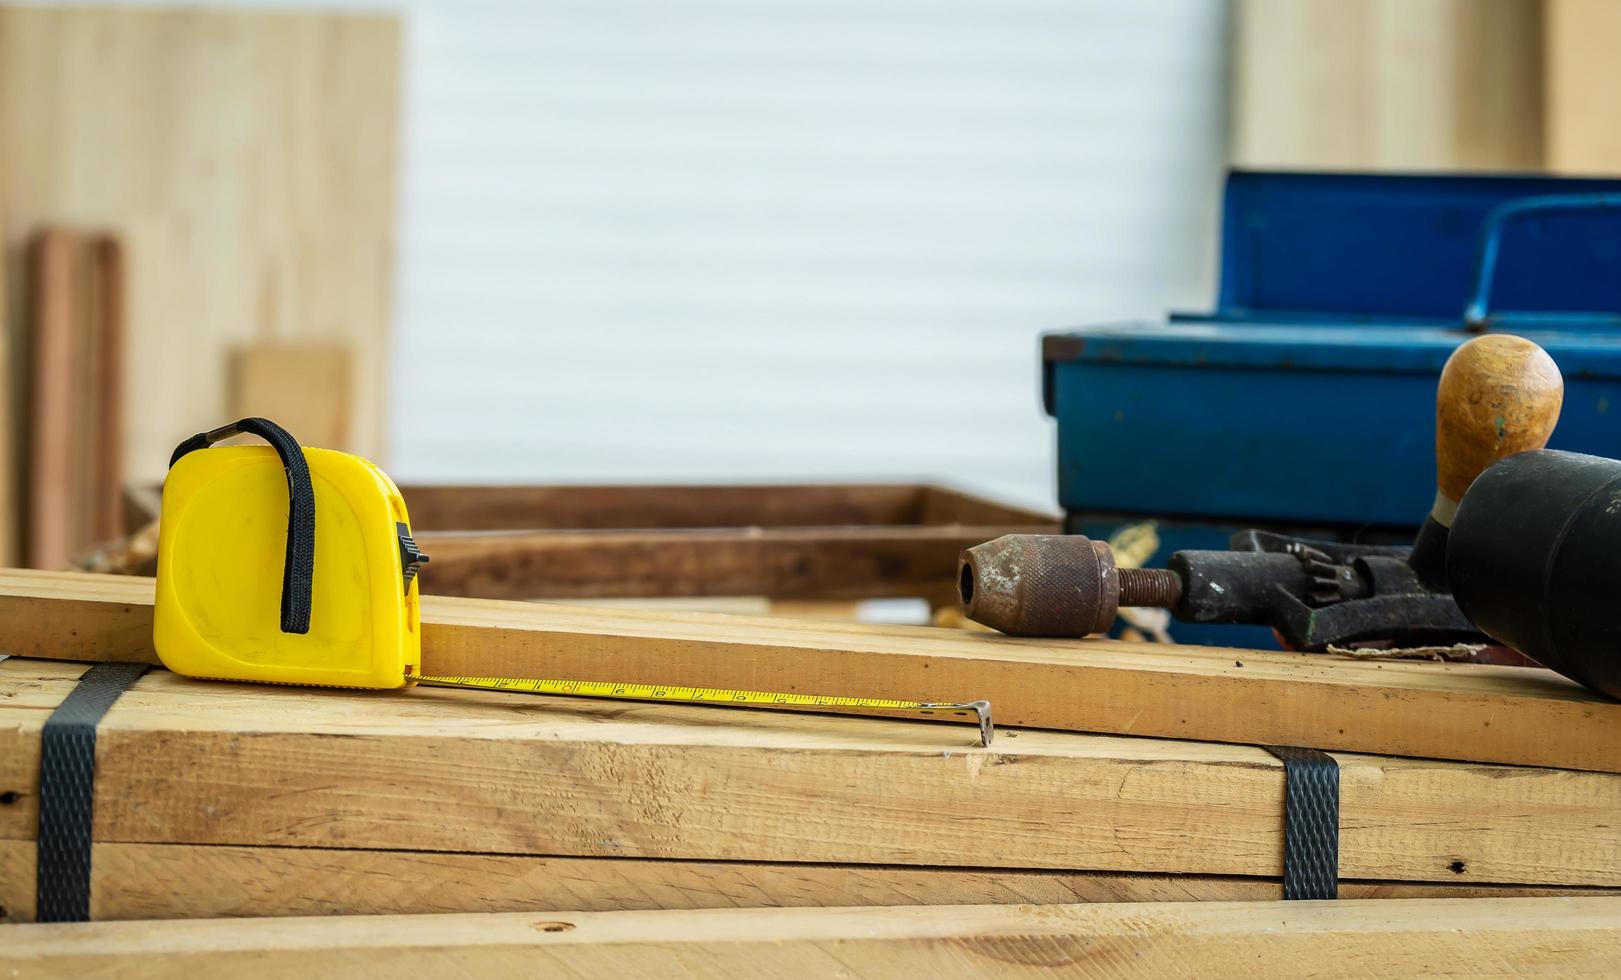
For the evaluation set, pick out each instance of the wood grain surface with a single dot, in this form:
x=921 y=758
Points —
x=190 y=881
x=1237 y=940
x=1471 y=712
x=201 y=762
x=787 y=563
x=900 y=506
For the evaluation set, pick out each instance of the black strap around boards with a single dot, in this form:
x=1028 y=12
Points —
x=1311 y=823
x=298 y=570
x=67 y=791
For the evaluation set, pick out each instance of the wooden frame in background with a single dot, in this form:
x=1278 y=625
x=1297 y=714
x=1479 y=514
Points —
x=802 y=541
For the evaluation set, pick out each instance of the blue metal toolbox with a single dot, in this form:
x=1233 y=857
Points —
x=1305 y=403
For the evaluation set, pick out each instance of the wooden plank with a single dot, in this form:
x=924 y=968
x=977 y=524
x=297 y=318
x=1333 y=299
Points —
x=53 y=389
x=1387 y=85
x=489 y=773
x=1473 y=712
x=1583 y=75
x=508 y=508
x=183 y=881
x=13 y=444
x=105 y=474
x=308 y=388
x=943 y=505
x=76 y=333
x=80 y=444
x=779 y=562
x=62 y=620
x=254 y=179
x=1237 y=940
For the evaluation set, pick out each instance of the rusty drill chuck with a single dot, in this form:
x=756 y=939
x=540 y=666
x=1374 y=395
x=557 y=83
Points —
x=1054 y=585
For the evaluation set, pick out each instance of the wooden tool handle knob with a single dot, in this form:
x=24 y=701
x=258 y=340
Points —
x=1499 y=395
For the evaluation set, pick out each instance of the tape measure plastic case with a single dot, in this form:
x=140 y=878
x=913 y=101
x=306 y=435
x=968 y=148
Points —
x=245 y=594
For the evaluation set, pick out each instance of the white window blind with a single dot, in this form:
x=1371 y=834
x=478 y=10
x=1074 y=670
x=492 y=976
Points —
x=704 y=240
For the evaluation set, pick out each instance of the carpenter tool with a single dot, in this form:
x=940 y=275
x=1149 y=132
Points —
x=244 y=593
x=1534 y=557
x=1297 y=404
x=1498 y=395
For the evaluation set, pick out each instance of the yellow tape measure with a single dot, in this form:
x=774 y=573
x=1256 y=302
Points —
x=980 y=710
x=242 y=596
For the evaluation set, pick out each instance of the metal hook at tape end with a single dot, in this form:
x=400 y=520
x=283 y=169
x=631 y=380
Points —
x=981 y=710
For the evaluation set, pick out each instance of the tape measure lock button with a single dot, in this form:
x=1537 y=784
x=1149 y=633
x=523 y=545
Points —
x=411 y=557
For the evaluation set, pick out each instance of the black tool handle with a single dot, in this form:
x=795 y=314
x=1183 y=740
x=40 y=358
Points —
x=1534 y=557
x=298 y=569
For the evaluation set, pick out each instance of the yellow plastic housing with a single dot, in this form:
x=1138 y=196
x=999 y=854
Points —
x=221 y=548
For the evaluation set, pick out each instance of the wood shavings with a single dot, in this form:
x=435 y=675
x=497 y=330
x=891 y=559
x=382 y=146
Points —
x=136 y=554
x=1456 y=652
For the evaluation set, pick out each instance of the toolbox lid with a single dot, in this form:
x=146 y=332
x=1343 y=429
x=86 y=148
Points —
x=1273 y=424
x=1406 y=246
x=1415 y=348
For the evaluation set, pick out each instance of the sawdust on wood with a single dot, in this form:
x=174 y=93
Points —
x=1457 y=651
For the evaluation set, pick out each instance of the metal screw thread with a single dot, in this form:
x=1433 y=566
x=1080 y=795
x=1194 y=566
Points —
x=1149 y=587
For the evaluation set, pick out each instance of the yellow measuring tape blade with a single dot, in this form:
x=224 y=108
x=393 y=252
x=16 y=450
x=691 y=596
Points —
x=980 y=710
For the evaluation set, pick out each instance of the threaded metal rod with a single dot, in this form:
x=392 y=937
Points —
x=1149 y=587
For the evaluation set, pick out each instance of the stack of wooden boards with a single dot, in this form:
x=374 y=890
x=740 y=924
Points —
x=647 y=834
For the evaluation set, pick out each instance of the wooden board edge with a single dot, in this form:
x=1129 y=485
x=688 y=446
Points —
x=180 y=881
x=1239 y=940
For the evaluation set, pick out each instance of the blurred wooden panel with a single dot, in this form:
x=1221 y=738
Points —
x=1387 y=84
x=11 y=493
x=616 y=508
x=246 y=158
x=307 y=388
x=806 y=542
x=55 y=307
x=1583 y=52
x=75 y=341
x=108 y=292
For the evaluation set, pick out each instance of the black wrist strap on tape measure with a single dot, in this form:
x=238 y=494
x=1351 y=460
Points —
x=67 y=792
x=1311 y=823
x=298 y=571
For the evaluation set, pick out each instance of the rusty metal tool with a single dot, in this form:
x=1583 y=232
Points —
x=1498 y=395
